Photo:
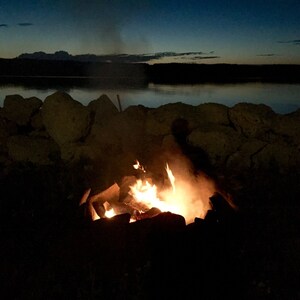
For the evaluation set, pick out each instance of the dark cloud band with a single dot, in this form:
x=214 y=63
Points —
x=25 y=24
x=294 y=42
x=267 y=54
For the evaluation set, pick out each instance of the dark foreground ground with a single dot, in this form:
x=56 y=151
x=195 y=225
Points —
x=49 y=251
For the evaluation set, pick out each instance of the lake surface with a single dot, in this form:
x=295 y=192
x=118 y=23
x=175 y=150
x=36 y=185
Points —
x=281 y=97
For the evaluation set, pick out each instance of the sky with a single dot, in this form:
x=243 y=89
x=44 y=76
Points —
x=194 y=31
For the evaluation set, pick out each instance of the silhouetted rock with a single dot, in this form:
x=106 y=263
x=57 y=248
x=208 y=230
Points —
x=20 y=110
x=242 y=159
x=103 y=109
x=287 y=127
x=213 y=113
x=278 y=156
x=218 y=141
x=32 y=149
x=7 y=128
x=252 y=120
x=159 y=120
x=37 y=121
x=65 y=119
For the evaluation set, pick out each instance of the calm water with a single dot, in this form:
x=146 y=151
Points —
x=283 y=98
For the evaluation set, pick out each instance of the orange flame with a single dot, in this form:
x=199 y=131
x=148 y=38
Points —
x=188 y=196
x=184 y=197
x=171 y=177
x=138 y=166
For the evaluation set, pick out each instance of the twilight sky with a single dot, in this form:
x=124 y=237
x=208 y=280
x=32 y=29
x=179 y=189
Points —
x=203 y=31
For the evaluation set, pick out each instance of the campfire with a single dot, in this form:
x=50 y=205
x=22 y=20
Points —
x=165 y=224
x=181 y=192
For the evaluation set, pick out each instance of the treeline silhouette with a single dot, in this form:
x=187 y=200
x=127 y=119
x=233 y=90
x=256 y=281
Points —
x=20 y=69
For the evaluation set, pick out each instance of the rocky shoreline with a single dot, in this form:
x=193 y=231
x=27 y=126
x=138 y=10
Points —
x=52 y=150
x=243 y=138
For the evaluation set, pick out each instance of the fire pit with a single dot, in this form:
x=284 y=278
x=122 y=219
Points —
x=183 y=193
x=164 y=239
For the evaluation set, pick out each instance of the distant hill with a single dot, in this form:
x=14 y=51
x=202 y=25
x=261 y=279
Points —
x=194 y=57
x=63 y=65
x=109 y=58
x=59 y=55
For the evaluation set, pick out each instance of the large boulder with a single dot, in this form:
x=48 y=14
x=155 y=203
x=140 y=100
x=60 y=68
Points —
x=119 y=140
x=278 y=156
x=20 y=110
x=217 y=141
x=103 y=109
x=39 y=151
x=37 y=121
x=287 y=127
x=65 y=119
x=159 y=121
x=252 y=120
x=7 y=128
x=242 y=160
x=112 y=146
x=213 y=113
x=121 y=133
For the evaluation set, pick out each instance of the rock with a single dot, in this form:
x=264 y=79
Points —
x=287 y=127
x=122 y=133
x=115 y=145
x=252 y=120
x=217 y=141
x=65 y=119
x=37 y=121
x=32 y=149
x=7 y=128
x=242 y=159
x=277 y=156
x=103 y=109
x=159 y=121
x=211 y=113
x=20 y=110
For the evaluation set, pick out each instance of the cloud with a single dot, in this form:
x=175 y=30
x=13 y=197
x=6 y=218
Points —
x=206 y=57
x=139 y=58
x=171 y=54
x=293 y=42
x=3 y=25
x=184 y=56
x=25 y=24
x=267 y=54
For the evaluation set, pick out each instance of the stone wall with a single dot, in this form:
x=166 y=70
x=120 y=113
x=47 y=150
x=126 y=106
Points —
x=242 y=138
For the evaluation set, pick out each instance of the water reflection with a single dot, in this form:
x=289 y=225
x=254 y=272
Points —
x=283 y=98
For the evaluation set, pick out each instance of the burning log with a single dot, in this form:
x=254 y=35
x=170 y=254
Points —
x=126 y=182
x=110 y=195
x=222 y=209
x=116 y=220
x=99 y=208
x=153 y=212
